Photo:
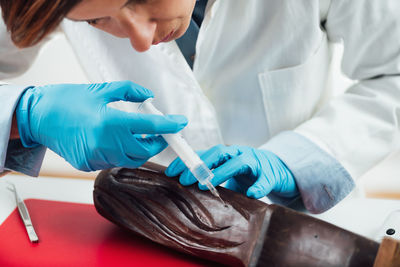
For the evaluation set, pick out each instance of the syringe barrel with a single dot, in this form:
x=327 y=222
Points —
x=182 y=149
x=196 y=166
x=149 y=108
x=203 y=175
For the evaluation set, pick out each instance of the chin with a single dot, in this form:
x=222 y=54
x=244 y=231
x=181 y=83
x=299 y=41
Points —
x=181 y=31
x=178 y=35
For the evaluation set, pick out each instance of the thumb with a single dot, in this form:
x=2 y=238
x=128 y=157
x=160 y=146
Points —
x=125 y=91
x=260 y=188
x=139 y=123
x=156 y=124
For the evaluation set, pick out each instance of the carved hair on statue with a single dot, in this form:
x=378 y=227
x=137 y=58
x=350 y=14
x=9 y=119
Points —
x=245 y=232
x=164 y=211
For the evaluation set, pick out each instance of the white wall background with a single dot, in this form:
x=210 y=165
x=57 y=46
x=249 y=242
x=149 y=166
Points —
x=57 y=63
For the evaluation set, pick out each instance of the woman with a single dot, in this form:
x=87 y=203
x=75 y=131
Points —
x=263 y=66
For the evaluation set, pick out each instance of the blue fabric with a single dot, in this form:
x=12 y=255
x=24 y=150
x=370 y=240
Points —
x=321 y=179
x=13 y=156
x=198 y=12
x=187 y=43
x=24 y=160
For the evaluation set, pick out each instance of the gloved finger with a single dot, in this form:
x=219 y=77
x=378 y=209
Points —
x=260 y=188
x=187 y=178
x=157 y=124
x=147 y=123
x=218 y=155
x=211 y=158
x=123 y=90
x=145 y=147
x=234 y=185
x=242 y=164
x=177 y=166
x=240 y=183
x=129 y=162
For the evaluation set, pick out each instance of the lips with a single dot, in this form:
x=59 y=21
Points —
x=166 y=38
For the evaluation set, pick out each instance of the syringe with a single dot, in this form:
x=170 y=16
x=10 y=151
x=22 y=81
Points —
x=196 y=166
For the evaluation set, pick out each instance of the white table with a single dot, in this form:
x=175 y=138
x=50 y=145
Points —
x=48 y=188
x=361 y=215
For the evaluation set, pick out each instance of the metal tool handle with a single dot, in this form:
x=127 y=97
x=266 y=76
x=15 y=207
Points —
x=32 y=234
x=23 y=212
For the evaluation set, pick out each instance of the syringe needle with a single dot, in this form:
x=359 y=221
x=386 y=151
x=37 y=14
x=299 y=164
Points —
x=214 y=191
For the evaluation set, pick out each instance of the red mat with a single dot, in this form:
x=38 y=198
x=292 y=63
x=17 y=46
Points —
x=73 y=234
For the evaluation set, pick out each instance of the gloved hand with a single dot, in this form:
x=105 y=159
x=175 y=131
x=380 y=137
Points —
x=74 y=121
x=251 y=171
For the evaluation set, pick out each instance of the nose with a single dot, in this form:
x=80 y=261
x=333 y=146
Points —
x=140 y=32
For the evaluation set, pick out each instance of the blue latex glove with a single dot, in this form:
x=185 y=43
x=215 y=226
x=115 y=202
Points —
x=251 y=171
x=74 y=121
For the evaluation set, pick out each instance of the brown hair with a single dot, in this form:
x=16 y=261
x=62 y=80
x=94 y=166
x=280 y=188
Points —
x=29 y=21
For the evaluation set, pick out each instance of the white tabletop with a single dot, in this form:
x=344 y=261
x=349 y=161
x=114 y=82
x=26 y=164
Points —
x=363 y=216
x=61 y=189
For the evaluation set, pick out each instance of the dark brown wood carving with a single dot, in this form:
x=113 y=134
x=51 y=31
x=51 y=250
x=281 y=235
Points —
x=243 y=232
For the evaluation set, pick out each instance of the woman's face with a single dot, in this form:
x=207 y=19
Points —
x=144 y=22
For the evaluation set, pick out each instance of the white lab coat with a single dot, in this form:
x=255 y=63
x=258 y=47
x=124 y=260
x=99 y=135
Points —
x=262 y=68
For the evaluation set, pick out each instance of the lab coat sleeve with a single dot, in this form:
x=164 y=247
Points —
x=13 y=62
x=321 y=179
x=13 y=156
x=359 y=128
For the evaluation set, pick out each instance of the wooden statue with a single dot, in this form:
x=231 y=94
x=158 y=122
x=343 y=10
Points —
x=243 y=232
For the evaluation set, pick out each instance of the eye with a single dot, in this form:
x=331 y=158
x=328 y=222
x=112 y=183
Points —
x=93 y=21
